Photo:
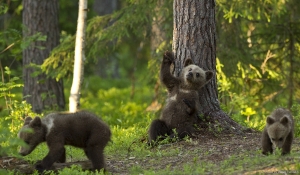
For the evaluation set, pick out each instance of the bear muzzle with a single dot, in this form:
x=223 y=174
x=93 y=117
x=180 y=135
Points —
x=189 y=76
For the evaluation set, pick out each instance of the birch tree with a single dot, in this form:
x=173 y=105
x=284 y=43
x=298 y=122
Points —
x=74 y=99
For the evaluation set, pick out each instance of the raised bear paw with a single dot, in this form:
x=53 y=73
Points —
x=168 y=57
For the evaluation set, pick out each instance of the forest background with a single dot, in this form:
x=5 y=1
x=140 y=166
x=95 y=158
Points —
x=258 y=61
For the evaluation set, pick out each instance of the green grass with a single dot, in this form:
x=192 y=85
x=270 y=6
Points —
x=124 y=109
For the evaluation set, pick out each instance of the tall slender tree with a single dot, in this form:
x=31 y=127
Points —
x=74 y=99
x=41 y=92
x=194 y=36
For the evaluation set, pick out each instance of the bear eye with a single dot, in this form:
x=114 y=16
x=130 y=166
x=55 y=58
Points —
x=190 y=69
x=197 y=74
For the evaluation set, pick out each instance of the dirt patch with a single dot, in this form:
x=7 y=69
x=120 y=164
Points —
x=205 y=148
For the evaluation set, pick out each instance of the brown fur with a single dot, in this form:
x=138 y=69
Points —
x=279 y=132
x=81 y=129
x=180 y=112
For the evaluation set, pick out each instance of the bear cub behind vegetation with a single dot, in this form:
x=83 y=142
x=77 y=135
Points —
x=279 y=132
x=180 y=113
x=80 y=129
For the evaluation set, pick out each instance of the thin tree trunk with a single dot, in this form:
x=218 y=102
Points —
x=194 y=37
x=74 y=100
x=41 y=92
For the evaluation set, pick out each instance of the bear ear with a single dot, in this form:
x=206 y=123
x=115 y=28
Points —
x=209 y=75
x=270 y=120
x=36 y=122
x=27 y=120
x=188 y=62
x=284 y=120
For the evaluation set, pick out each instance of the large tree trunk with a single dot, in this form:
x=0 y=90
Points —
x=194 y=37
x=74 y=99
x=41 y=92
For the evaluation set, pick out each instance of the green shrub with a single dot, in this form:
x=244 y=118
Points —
x=123 y=106
x=12 y=116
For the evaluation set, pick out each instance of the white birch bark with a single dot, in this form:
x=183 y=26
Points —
x=74 y=99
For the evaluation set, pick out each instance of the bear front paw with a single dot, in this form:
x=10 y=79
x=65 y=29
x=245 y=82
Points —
x=168 y=57
x=189 y=103
x=39 y=168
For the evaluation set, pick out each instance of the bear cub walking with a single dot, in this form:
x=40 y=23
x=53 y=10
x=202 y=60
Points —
x=80 y=129
x=279 y=132
x=180 y=111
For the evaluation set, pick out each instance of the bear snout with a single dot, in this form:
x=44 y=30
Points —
x=189 y=75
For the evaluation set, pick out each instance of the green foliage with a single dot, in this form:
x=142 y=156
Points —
x=13 y=116
x=3 y=8
x=5 y=88
x=17 y=110
x=76 y=170
x=10 y=41
x=241 y=100
x=252 y=10
x=119 y=25
x=12 y=44
x=8 y=140
x=296 y=114
x=128 y=142
x=12 y=110
x=61 y=60
x=260 y=55
x=30 y=39
x=124 y=106
x=110 y=34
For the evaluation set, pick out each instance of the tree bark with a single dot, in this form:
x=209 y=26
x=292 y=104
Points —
x=74 y=99
x=41 y=92
x=194 y=36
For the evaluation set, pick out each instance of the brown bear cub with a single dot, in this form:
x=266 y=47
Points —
x=80 y=129
x=279 y=131
x=180 y=113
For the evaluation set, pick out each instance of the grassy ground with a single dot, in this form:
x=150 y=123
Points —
x=128 y=153
x=224 y=154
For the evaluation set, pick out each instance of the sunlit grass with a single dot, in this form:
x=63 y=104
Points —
x=129 y=121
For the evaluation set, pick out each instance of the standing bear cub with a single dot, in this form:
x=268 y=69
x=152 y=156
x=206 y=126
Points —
x=80 y=129
x=279 y=131
x=180 y=111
